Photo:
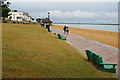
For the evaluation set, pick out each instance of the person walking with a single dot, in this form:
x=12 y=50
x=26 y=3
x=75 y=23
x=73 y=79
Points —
x=64 y=29
x=67 y=29
x=48 y=27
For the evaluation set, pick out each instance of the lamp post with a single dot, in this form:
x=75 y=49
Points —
x=48 y=15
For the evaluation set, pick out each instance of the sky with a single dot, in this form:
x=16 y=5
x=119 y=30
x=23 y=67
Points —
x=64 y=0
x=72 y=11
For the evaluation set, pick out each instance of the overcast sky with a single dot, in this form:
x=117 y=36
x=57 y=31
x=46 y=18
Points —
x=64 y=0
x=89 y=12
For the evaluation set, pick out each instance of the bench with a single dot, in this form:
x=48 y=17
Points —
x=97 y=60
x=61 y=37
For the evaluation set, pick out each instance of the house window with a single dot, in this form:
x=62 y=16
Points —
x=10 y=14
x=19 y=18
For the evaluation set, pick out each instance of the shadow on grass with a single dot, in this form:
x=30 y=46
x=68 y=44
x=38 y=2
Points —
x=95 y=66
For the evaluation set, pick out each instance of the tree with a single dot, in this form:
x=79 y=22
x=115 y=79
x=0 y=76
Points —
x=33 y=19
x=5 y=12
x=5 y=9
x=38 y=19
x=8 y=3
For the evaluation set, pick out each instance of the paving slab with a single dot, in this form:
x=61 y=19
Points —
x=108 y=53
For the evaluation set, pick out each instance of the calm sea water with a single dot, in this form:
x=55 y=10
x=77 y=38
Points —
x=113 y=28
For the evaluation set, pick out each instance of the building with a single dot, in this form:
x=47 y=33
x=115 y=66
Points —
x=19 y=16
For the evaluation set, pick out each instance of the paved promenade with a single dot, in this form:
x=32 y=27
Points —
x=108 y=53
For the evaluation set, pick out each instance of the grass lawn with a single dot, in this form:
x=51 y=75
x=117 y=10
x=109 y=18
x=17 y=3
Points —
x=29 y=51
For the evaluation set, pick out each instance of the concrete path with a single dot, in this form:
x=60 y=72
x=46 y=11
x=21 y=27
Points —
x=108 y=53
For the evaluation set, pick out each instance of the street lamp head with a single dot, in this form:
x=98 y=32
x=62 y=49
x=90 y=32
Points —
x=48 y=15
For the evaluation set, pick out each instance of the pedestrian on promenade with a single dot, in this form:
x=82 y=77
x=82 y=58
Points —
x=67 y=29
x=64 y=29
x=48 y=27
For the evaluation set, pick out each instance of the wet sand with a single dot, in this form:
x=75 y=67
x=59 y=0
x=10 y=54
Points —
x=105 y=37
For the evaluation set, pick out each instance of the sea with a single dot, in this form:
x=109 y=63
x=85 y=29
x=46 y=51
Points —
x=104 y=27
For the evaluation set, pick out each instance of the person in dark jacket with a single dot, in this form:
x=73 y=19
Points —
x=64 y=29
x=48 y=27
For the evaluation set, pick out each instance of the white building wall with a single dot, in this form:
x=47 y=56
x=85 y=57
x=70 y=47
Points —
x=22 y=15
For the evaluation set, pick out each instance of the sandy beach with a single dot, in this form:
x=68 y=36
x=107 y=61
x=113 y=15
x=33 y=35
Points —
x=105 y=37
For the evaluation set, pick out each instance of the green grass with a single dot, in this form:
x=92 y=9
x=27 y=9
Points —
x=29 y=51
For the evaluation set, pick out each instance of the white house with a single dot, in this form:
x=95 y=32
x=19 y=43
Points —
x=19 y=16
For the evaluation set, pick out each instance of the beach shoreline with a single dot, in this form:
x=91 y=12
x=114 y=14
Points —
x=106 y=37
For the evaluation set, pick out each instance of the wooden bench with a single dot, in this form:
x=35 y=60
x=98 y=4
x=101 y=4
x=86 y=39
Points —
x=61 y=37
x=97 y=60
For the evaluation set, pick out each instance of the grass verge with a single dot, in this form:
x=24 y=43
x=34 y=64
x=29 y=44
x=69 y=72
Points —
x=29 y=51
